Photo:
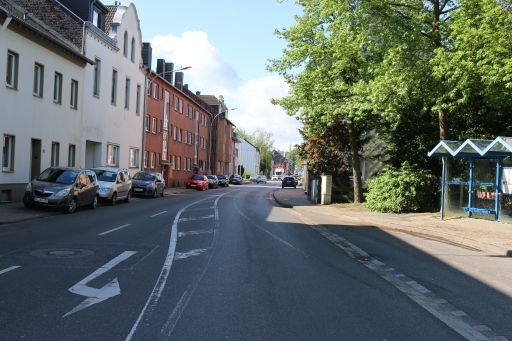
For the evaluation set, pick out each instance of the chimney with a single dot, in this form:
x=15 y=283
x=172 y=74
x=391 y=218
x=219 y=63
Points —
x=147 y=54
x=179 y=80
x=169 y=76
x=198 y=93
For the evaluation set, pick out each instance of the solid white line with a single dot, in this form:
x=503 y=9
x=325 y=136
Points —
x=154 y=215
x=162 y=279
x=8 y=269
x=117 y=228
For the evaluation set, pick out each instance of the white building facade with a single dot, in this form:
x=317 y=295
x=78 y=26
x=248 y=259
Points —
x=249 y=157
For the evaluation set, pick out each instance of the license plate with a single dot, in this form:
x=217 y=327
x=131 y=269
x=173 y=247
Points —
x=137 y=189
x=193 y=185
x=41 y=200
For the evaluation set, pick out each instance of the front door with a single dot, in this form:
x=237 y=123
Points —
x=35 y=162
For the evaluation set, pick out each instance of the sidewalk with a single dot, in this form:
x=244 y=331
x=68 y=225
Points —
x=484 y=235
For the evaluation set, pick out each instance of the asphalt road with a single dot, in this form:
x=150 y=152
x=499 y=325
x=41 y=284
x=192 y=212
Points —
x=228 y=264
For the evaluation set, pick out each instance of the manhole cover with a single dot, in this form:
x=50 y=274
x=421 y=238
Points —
x=61 y=253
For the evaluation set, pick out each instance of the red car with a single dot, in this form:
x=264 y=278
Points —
x=199 y=182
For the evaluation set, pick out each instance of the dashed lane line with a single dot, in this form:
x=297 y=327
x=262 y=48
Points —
x=8 y=269
x=456 y=319
x=117 y=228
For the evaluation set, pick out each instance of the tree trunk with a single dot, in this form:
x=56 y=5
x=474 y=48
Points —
x=356 y=165
x=444 y=129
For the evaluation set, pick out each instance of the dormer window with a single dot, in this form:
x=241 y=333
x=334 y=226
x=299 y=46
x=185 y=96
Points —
x=96 y=18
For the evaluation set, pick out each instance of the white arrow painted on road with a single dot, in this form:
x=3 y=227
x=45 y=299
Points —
x=98 y=295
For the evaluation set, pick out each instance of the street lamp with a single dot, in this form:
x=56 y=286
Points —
x=146 y=109
x=210 y=138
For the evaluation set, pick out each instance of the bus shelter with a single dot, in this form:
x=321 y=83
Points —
x=479 y=182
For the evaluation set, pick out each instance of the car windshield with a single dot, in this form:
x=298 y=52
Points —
x=62 y=176
x=104 y=175
x=210 y=177
x=221 y=177
x=288 y=178
x=144 y=176
x=196 y=177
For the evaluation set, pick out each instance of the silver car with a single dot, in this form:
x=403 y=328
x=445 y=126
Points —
x=64 y=188
x=115 y=184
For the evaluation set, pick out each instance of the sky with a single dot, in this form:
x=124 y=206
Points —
x=228 y=44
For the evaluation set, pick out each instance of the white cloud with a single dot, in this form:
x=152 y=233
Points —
x=211 y=75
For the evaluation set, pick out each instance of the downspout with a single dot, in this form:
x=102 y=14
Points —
x=6 y=22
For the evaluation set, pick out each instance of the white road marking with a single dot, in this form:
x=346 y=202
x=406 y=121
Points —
x=196 y=218
x=97 y=295
x=162 y=278
x=8 y=269
x=183 y=255
x=154 y=215
x=456 y=319
x=117 y=228
x=190 y=233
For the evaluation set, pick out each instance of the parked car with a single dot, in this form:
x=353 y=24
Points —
x=223 y=180
x=213 y=181
x=148 y=184
x=253 y=178
x=115 y=184
x=261 y=178
x=199 y=182
x=63 y=187
x=288 y=181
x=235 y=179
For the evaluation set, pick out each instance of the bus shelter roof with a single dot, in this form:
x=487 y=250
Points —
x=474 y=148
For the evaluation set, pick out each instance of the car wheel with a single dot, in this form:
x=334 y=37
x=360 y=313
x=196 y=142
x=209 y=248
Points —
x=113 y=201
x=154 y=192
x=163 y=192
x=94 y=203
x=28 y=205
x=128 y=197
x=71 y=206
x=294 y=186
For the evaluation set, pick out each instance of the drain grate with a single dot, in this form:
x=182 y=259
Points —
x=61 y=253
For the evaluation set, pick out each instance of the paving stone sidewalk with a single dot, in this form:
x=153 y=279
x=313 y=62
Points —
x=495 y=237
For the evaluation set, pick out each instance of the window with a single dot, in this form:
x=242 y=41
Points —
x=155 y=91
x=73 y=103
x=153 y=130
x=134 y=157
x=181 y=106
x=224 y=148
x=71 y=155
x=112 y=155
x=166 y=115
x=186 y=136
x=174 y=162
x=147 y=122
x=137 y=104
x=146 y=159
x=8 y=153
x=179 y=134
x=188 y=110
x=175 y=133
x=96 y=81
x=164 y=146
x=57 y=88
x=159 y=158
x=127 y=94
x=38 y=80
x=153 y=157
x=12 y=70
x=125 y=46
x=132 y=55
x=176 y=103
x=148 y=87
x=55 y=154
x=113 y=92
x=96 y=18
x=179 y=163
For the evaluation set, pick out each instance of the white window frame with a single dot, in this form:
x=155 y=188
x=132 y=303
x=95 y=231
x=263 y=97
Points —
x=113 y=92
x=173 y=162
x=179 y=163
x=38 y=79
x=155 y=91
x=181 y=106
x=166 y=116
x=71 y=155
x=147 y=123
x=134 y=157
x=175 y=132
x=165 y=146
x=96 y=78
x=73 y=101
x=153 y=129
x=179 y=134
x=55 y=151
x=8 y=153
x=57 y=88
x=12 y=70
x=176 y=103
x=186 y=137
x=137 y=103
x=127 y=94
x=112 y=155
x=146 y=156
x=153 y=157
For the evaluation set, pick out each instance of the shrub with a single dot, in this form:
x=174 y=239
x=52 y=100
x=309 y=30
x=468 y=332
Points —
x=401 y=190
